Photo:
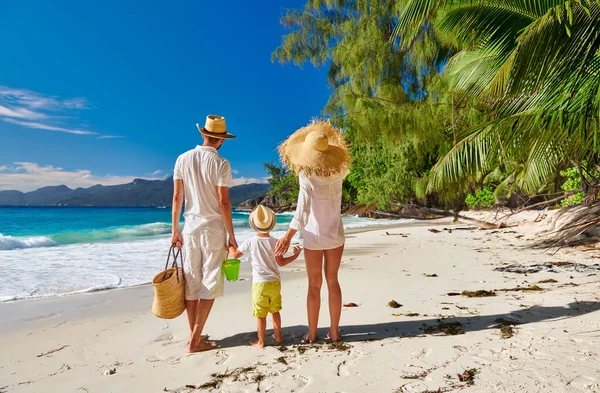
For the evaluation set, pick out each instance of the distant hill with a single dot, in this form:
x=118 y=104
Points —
x=140 y=192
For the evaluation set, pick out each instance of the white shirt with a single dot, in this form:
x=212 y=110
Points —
x=262 y=258
x=202 y=170
x=318 y=215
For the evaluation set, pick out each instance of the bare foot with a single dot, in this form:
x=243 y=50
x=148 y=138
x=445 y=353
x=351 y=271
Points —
x=277 y=338
x=202 y=346
x=307 y=340
x=257 y=344
x=202 y=338
x=333 y=337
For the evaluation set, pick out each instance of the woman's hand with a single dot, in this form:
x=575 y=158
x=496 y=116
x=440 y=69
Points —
x=282 y=246
x=176 y=239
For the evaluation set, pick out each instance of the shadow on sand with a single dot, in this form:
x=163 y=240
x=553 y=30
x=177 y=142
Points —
x=414 y=327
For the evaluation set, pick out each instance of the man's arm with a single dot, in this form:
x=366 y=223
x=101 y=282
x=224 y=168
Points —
x=225 y=206
x=233 y=252
x=178 y=191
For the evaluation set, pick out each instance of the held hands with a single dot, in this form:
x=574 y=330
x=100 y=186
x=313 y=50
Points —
x=177 y=239
x=282 y=246
x=232 y=243
x=297 y=250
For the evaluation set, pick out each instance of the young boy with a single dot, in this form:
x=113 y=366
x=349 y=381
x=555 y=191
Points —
x=266 y=280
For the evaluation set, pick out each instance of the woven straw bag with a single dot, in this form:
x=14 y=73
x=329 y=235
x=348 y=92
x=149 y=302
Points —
x=169 y=288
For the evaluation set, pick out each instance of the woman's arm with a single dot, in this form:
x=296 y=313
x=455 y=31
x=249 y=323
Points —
x=283 y=244
x=300 y=217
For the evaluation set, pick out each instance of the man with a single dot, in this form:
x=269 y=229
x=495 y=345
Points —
x=203 y=176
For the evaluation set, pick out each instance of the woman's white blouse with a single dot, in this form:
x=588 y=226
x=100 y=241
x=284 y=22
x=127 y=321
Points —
x=318 y=215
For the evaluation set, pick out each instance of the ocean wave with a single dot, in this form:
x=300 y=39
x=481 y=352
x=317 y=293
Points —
x=89 y=236
x=13 y=243
x=120 y=233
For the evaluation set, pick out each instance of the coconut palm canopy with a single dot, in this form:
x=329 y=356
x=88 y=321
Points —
x=536 y=66
x=440 y=97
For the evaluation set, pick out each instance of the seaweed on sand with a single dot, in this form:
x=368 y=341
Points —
x=479 y=293
x=468 y=376
x=506 y=327
x=394 y=304
x=447 y=328
x=235 y=374
x=548 y=281
x=339 y=346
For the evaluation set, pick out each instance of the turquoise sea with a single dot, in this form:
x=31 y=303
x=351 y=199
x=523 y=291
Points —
x=52 y=251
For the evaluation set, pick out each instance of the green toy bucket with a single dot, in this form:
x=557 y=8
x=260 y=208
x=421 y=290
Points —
x=232 y=269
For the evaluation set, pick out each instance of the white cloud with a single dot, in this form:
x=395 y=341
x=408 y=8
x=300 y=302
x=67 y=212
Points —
x=235 y=171
x=21 y=113
x=157 y=172
x=41 y=126
x=3 y=167
x=32 y=99
x=35 y=110
x=29 y=176
x=249 y=180
x=110 y=136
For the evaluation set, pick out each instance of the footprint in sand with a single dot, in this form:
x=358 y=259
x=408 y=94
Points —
x=167 y=360
x=221 y=357
x=301 y=382
x=344 y=369
x=164 y=337
x=422 y=353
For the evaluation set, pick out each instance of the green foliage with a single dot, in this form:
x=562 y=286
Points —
x=573 y=182
x=440 y=96
x=534 y=65
x=378 y=91
x=283 y=183
x=483 y=198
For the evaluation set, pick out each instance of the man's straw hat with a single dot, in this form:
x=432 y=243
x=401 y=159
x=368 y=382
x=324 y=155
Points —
x=215 y=127
x=317 y=149
x=262 y=219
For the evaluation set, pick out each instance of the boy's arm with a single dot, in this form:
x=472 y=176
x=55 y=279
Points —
x=282 y=261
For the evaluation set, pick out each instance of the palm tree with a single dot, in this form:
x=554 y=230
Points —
x=535 y=64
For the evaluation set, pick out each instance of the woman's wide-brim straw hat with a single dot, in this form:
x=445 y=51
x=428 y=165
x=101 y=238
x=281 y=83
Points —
x=216 y=127
x=317 y=149
x=262 y=219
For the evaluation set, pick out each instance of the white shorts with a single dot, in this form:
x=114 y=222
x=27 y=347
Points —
x=205 y=251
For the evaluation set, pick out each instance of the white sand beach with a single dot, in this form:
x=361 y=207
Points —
x=66 y=344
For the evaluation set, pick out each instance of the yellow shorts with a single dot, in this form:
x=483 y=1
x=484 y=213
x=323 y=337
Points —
x=266 y=298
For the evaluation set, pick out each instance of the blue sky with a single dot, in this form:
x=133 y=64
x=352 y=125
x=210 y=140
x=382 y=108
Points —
x=102 y=92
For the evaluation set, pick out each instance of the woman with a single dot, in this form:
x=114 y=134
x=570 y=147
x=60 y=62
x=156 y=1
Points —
x=319 y=156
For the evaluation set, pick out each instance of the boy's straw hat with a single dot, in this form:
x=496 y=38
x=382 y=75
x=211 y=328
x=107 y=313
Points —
x=215 y=127
x=317 y=149
x=262 y=219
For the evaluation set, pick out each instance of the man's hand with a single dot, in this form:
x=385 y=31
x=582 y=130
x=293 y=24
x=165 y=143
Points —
x=297 y=250
x=232 y=243
x=177 y=239
x=282 y=246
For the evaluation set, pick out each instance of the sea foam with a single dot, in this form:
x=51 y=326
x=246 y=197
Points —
x=75 y=262
x=14 y=243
